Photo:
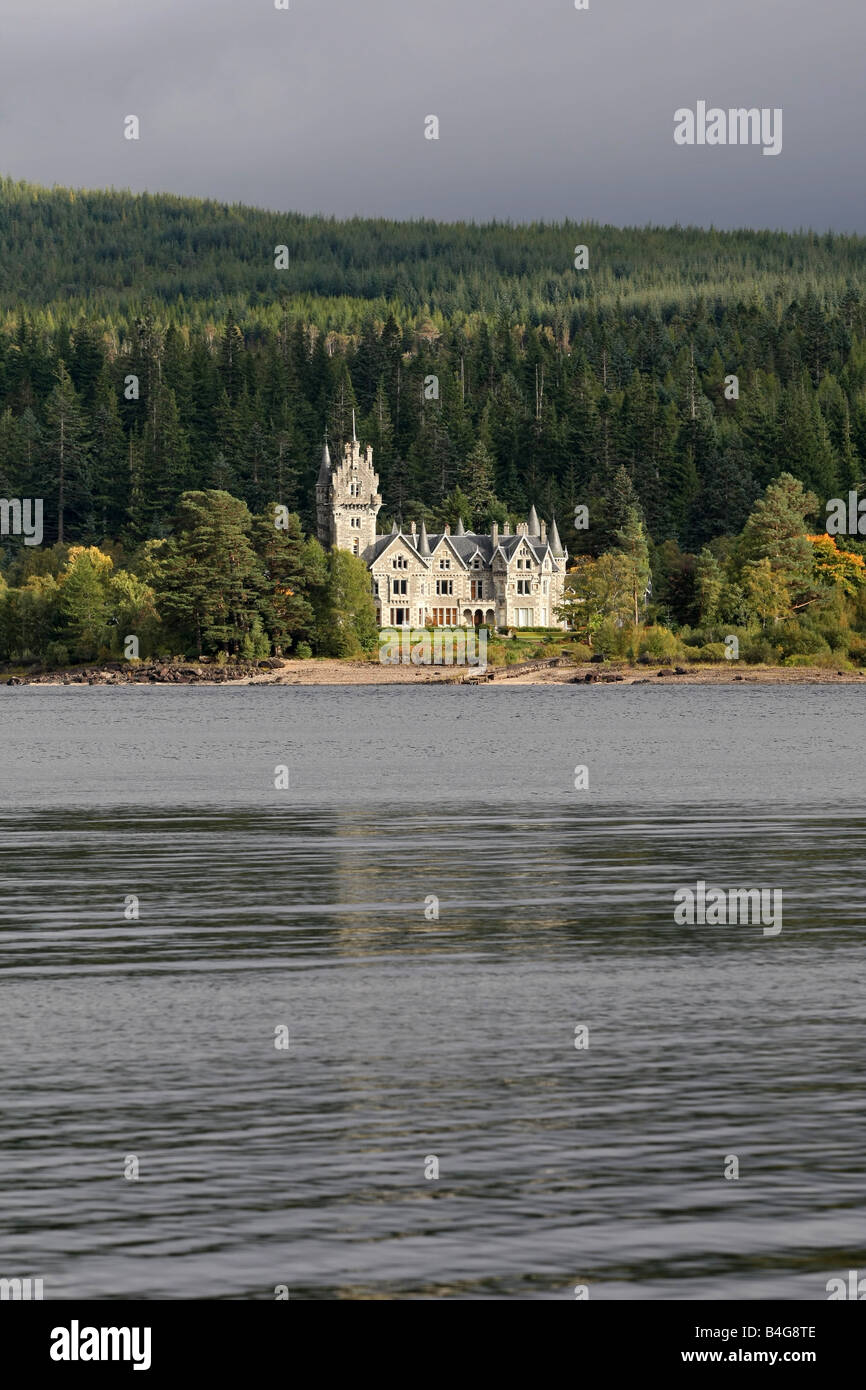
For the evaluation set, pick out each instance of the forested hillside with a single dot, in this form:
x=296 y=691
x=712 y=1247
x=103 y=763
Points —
x=149 y=347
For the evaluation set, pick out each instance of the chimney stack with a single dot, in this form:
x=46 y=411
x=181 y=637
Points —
x=506 y=529
x=495 y=534
x=412 y=525
x=447 y=529
x=544 y=533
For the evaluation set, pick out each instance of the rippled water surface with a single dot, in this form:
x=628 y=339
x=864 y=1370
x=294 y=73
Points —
x=412 y=1035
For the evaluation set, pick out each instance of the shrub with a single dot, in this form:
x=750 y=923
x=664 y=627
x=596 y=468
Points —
x=657 y=643
x=303 y=651
x=757 y=651
x=714 y=651
x=545 y=650
x=822 y=659
x=578 y=651
x=255 y=646
x=799 y=639
x=611 y=640
x=56 y=654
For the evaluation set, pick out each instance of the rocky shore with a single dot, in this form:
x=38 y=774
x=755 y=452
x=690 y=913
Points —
x=329 y=671
x=151 y=673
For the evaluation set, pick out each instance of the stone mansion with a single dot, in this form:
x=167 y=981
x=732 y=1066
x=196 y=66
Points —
x=448 y=580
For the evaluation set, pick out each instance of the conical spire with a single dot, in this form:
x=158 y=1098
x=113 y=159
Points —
x=534 y=528
x=555 y=542
x=325 y=466
x=423 y=543
x=458 y=529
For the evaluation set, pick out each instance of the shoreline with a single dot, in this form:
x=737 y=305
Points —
x=335 y=672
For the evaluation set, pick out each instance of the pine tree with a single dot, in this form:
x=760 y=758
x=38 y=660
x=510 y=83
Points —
x=631 y=541
x=476 y=484
x=65 y=453
x=207 y=577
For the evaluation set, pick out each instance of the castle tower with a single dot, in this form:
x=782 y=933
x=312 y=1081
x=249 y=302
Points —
x=347 y=499
x=323 y=497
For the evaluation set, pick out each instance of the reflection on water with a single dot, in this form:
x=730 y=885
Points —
x=412 y=1036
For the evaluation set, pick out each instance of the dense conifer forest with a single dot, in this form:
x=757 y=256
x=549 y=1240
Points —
x=150 y=349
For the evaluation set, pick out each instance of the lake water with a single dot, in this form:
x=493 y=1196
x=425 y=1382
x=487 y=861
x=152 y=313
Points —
x=151 y=1041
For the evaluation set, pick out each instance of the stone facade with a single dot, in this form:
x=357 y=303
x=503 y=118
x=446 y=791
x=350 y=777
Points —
x=460 y=580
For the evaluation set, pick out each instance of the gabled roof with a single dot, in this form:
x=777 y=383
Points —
x=456 y=544
x=467 y=546
x=510 y=544
x=384 y=543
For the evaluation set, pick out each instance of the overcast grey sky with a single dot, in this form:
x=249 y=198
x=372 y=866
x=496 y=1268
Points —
x=545 y=111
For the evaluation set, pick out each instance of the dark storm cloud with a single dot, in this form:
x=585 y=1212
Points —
x=545 y=111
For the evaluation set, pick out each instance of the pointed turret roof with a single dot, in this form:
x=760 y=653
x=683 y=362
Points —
x=534 y=528
x=458 y=529
x=325 y=466
x=555 y=542
x=423 y=542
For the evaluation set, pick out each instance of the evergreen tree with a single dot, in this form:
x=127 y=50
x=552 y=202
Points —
x=65 y=450
x=207 y=577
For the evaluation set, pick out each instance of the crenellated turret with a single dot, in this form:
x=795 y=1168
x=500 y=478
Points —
x=347 y=499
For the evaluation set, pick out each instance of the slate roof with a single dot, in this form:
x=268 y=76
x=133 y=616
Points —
x=467 y=545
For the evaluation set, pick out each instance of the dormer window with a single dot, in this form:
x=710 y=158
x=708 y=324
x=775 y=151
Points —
x=445 y=564
x=399 y=562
